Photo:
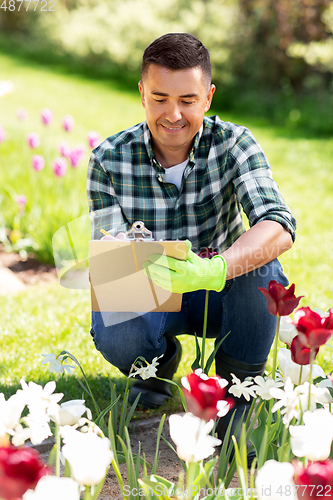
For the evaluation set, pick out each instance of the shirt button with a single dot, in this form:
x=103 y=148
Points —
x=160 y=178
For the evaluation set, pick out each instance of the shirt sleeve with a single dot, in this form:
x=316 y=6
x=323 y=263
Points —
x=255 y=188
x=104 y=209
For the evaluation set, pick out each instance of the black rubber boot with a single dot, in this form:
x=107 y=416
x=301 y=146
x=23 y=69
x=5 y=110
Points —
x=155 y=392
x=225 y=365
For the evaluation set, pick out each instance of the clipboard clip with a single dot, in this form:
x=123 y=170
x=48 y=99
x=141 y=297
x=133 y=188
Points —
x=139 y=232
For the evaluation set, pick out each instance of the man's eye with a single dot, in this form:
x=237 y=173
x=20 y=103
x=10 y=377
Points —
x=159 y=100
x=188 y=102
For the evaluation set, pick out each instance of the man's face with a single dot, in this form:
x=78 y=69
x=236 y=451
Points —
x=175 y=102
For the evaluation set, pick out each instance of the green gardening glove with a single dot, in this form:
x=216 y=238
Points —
x=190 y=275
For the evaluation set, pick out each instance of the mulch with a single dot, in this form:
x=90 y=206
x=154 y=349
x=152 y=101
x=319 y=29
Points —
x=28 y=270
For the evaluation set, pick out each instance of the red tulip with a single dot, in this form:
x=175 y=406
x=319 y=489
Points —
x=280 y=300
x=300 y=353
x=202 y=394
x=314 y=331
x=314 y=481
x=207 y=253
x=20 y=470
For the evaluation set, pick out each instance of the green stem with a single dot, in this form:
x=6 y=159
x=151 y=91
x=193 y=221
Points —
x=275 y=347
x=312 y=357
x=57 y=461
x=204 y=332
x=300 y=375
x=87 y=495
x=282 y=457
x=192 y=470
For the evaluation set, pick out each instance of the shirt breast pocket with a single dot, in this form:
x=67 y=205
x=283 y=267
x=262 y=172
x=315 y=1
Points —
x=209 y=210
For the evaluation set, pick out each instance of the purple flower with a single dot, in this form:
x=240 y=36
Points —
x=46 y=115
x=33 y=140
x=59 y=167
x=64 y=149
x=76 y=155
x=21 y=200
x=21 y=114
x=2 y=134
x=93 y=138
x=38 y=162
x=68 y=122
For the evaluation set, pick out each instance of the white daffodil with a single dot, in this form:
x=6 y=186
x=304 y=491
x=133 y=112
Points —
x=191 y=436
x=88 y=455
x=53 y=488
x=240 y=389
x=274 y=481
x=293 y=370
x=317 y=395
x=11 y=410
x=313 y=439
x=35 y=430
x=292 y=401
x=70 y=412
x=57 y=363
x=39 y=399
x=146 y=371
x=264 y=385
x=287 y=330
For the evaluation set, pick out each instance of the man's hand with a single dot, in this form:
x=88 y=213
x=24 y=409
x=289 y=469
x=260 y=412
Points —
x=187 y=276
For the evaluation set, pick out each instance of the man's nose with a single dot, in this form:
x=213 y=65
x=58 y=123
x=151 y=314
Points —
x=173 y=113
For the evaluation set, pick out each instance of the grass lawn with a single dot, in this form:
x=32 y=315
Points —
x=50 y=319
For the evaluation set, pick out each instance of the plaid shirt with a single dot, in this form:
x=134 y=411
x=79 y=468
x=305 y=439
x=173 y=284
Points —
x=227 y=170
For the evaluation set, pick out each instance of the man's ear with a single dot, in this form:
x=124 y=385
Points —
x=210 y=97
x=141 y=93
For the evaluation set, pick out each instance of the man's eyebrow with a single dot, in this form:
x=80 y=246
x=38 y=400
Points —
x=163 y=94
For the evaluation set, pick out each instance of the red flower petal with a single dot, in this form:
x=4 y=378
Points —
x=272 y=307
x=300 y=354
x=319 y=337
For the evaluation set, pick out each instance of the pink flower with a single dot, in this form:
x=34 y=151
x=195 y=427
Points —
x=2 y=134
x=21 y=114
x=64 y=149
x=20 y=470
x=93 y=138
x=59 y=167
x=205 y=396
x=21 y=200
x=76 y=155
x=68 y=122
x=33 y=140
x=46 y=115
x=38 y=162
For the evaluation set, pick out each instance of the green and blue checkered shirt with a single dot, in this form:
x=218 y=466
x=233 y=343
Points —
x=227 y=170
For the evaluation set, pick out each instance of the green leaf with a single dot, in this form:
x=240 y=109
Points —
x=106 y=410
x=159 y=432
x=196 y=362
x=212 y=355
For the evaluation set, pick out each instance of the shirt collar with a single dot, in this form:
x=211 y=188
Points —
x=147 y=140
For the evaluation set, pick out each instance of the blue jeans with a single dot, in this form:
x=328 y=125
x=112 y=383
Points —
x=240 y=308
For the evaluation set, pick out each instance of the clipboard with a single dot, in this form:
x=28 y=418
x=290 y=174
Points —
x=117 y=279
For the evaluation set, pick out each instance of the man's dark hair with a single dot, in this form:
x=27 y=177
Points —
x=177 y=51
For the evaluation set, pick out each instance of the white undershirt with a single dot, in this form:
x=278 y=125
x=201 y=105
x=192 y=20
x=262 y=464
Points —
x=174 y=174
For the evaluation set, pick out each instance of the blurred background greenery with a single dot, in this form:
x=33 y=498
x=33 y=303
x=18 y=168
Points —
x=271 y=57
x=272 y=65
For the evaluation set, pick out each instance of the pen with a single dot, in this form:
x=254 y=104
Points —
x=104 y=232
